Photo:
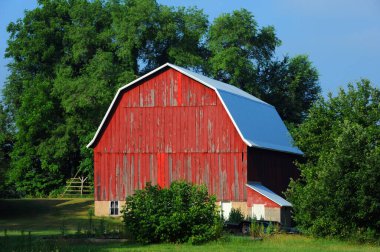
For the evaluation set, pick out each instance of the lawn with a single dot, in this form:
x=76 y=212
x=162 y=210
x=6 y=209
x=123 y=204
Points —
x=45 y=219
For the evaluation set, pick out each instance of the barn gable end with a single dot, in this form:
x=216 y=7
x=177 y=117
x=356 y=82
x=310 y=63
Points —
x=169 y=127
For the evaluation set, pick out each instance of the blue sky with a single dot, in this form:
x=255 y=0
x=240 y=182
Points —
x=341 y=37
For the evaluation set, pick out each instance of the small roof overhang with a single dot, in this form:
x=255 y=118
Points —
x=258 y=187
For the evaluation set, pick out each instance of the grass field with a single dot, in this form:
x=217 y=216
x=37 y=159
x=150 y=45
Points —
x=45 y=218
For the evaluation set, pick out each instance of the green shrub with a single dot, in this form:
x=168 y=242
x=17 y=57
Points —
x=180 y=213
x=270 y=228
x=256 y=229
x=236 y=216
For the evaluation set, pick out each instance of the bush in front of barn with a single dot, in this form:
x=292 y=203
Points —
x=181 y=213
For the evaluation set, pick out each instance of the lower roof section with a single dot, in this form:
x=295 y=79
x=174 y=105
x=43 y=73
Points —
x=258 y=187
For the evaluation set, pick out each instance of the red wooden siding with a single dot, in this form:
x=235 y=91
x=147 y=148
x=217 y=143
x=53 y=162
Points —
x=166 y=128
x=254 y=197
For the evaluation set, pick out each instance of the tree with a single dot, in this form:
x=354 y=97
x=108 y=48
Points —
x=241 y=54
x=338 y=192
x=6 y=144
x=52 y=48
x=236 y=46
x=154 y=34
x=291 y=85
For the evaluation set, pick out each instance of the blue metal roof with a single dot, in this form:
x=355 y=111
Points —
x=258 y=187
x=257 y=122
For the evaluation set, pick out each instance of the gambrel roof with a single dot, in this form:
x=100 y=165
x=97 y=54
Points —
x=257 y=122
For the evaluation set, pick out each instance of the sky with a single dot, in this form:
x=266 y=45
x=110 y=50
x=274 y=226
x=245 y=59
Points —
x=341 y=37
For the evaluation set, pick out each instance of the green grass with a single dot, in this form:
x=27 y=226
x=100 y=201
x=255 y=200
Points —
x=44 y=218
x=229 y=243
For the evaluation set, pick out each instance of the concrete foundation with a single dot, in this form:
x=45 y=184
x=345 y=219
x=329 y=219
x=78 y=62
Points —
x=281 y=215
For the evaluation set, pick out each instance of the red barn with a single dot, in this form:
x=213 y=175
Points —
x=173 y=124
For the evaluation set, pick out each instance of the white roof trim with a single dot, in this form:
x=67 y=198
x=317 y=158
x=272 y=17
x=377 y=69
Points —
x=258 y=187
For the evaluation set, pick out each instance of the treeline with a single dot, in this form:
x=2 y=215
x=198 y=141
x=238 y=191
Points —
x=69 y=57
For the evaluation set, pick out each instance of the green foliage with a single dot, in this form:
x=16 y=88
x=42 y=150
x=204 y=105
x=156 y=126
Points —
x=6 y=145
x=256 y=229
x=236 y=216
x=291 y=85
x=180 y=213
x=236 y=45
x=69 y=57
x=270 y=229
x=338 y=193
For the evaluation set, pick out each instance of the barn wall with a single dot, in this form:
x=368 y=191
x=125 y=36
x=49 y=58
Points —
x=272 y=168
x=166 y=128
x=273 y=211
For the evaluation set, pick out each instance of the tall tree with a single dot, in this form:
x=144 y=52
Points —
x=338 y=192
x=291 y=85
x=237 y=46
x=6 y=144
x=35 y=45
x=149 y=34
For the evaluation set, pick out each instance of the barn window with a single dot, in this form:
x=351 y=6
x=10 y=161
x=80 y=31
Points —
x=114 y=208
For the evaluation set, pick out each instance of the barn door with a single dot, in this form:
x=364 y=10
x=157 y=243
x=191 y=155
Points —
x=258 y=211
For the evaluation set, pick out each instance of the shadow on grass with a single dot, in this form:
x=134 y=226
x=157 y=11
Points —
x=43 y=214
x=30 y=242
